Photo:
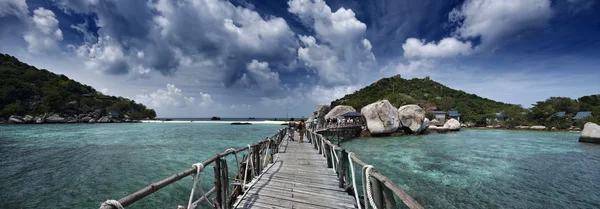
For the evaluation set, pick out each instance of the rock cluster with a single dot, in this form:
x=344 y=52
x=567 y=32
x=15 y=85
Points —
x=412 y=119
x=92 y=117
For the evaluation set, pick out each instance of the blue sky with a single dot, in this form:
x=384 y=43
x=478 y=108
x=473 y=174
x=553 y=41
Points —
x=243 y=58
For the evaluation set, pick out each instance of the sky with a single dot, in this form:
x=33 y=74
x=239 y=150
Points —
x=266 y=58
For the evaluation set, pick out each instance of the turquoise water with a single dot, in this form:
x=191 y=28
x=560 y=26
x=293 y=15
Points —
x=81 y=165
x=489 y=168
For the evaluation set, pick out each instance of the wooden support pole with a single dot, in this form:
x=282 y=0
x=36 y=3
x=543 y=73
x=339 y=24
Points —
x=342 y=168
x=376 y=192
x=328 y=157
x=388 y=197
x=225 y=183
x=218 y=181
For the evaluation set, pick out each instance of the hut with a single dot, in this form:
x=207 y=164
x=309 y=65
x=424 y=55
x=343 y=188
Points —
x=454 y=114
x=439 y=116
x=581 y=115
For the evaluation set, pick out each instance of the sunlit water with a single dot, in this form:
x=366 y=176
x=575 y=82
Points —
x=81 y=165
x=489 y=168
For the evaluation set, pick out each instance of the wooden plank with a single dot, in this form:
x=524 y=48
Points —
x=299 y=178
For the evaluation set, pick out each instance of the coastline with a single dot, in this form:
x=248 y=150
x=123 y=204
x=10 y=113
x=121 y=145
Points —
x=268 y=122
x=520 y=129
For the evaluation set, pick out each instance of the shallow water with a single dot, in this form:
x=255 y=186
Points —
x=489 y=168
x=81 y=165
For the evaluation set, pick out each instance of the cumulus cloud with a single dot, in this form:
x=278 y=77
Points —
x=13 y=16
x=169 y=97
x=339 y=51
x=262 y=75
x=158 y=36
x=447 y=47
x=104 y=56
x=493 y=20
x=44 y=34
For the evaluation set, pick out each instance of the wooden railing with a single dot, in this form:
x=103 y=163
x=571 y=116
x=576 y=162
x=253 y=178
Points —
x=380 y=191
x=224 y=192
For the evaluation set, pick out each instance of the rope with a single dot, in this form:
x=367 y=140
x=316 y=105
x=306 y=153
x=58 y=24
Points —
x=354 y=179
x=333 y=162
x=235 y=154
x=199 y=168
x=113 y=203
x=246 y=170
x=367 y=172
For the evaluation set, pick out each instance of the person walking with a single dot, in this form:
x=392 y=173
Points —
x=291 y=126
x=301 y=130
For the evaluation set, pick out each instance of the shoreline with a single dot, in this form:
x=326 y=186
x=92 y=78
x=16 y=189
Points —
x=520 y=129
x=268 y=122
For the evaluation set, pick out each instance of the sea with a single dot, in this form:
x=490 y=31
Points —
x=82 y=165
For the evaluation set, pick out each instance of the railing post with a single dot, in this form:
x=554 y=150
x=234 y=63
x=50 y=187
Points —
x=376 y=192
x=328 y=156
x=225 y=183
x=342 y=168
x=218 y=189
x=388 y=197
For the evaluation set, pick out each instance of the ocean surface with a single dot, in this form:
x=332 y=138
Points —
x=81 y=165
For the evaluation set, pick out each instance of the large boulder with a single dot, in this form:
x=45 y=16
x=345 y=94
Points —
x=55 y=118
x=434 y=122
x=16 y=119
x=338 y=111
x=411 y=118
x=92 y=121
x=381 y=117
x=452 y=125
x=104 y=119
x=322 y=111
x=590 y=133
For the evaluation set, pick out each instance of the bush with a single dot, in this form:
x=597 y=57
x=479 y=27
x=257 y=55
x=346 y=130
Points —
x=582 y=121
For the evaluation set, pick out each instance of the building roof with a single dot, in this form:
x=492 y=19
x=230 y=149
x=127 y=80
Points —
x=500 y=115
x=559 y=114
x=352 y=114
x=437 y=112
x=582 y=115
x=113 y=113
x=454 y=113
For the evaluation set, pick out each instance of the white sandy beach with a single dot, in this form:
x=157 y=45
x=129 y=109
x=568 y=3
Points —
x=217 y=121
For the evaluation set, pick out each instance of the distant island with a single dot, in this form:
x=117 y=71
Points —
x=31 y=95
x=473 y=110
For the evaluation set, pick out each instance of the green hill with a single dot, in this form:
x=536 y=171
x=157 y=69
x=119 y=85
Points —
x=26 y=90
x=429 y=94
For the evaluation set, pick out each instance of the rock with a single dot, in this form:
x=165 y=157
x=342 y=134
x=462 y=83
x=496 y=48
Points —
x=85 y=119
x=381 y=117
x=16 y=119
x=39 y=120
x=452 y=125
x=338 y=111
x=538 y=127
x=590 y=133
x=92 y=121
x=424 y=126
x=434 y=122
x=322 y=111
x=365 y=133
x=71 y=120
x=97 y=113
x=55 y=118
x=553 y=129
x=522 y=127
x=104 y=119
x=126 y=116
x=489 y=126
x=411 y=118
x=437 y=129
x=28 y=119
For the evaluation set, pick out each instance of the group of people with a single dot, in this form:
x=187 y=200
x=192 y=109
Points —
x=300 y=127
x=330 y=122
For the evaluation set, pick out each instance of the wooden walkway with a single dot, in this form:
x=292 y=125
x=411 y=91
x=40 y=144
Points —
x=298 y=179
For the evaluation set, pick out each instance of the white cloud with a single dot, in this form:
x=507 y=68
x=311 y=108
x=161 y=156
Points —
x=17 y=8
x=339 y=51
x=447 y=47
x=263 y=76
x=324 y=95
x=205 y=100
x=493 y=20
x=171 y=97
x=44 y=34
x=104 y=91
x=104 y=56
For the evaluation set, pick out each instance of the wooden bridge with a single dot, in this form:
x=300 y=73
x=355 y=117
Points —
x=280 y=173
x=340 y=133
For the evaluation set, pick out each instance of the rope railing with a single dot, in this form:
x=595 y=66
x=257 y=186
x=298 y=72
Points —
x=378 y=190
x=260 y=156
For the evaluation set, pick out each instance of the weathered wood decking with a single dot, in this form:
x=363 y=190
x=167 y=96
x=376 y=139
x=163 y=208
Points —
x=299 y=178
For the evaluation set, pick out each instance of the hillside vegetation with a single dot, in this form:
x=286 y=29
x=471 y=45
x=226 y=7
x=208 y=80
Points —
x=26 y=90
x=432 y=95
